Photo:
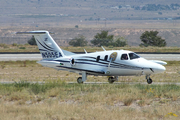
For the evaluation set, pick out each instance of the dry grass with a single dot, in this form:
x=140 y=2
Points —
x=18 y=48
x=56 y=100
x=31 y=71
x=29 y=48
x=74 y=101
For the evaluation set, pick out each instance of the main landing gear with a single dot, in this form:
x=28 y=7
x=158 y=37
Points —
x=80 y=80
x=112 y=79
x=149 y=80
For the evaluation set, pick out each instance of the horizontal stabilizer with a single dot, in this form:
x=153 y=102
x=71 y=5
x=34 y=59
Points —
x=32 y=32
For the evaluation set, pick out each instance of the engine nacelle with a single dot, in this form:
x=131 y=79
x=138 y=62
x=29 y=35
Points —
x=72 y=61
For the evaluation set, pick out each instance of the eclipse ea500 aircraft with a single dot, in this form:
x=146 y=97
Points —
x=111 y=63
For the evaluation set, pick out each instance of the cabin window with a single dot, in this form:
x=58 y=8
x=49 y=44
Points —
x=124 y=57
x=133 y=56
x=98 y=58
x=106 y=57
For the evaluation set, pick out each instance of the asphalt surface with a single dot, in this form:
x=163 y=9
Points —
x=129 y=83
x=15 y=57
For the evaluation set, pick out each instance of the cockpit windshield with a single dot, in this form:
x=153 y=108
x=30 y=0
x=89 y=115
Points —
x=133 y=56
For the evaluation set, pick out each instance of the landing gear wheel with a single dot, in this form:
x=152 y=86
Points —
x=79 y=80
x=111 y=80
x=149 y=80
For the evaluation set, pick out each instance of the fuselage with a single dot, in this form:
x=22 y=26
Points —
x=108 y=63
x=112 y=63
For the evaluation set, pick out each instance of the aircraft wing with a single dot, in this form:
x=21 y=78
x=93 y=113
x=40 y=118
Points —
x=60 y=66
x=158 y=62
x=78 y=70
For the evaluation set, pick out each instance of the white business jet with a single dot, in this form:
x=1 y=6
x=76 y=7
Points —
x=111 y=63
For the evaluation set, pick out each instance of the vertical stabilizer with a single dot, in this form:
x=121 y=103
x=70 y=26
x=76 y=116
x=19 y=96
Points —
x=47 y=46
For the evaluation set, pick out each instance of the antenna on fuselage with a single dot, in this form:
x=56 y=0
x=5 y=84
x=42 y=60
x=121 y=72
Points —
x=103 y=48
x=85 y=51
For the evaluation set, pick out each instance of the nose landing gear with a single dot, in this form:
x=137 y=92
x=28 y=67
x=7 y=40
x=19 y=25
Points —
x=149 y=80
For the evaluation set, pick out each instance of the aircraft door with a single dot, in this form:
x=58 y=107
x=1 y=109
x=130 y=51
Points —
x=113 y=56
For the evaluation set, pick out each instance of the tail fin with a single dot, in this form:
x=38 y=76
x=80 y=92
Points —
x=47 y=46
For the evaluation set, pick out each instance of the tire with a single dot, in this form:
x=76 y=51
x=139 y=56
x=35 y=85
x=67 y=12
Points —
x=110 y=80
x=149 y=81
x=79 y=80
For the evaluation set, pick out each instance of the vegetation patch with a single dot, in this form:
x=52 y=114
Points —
x=61 y=99
x=34 y=48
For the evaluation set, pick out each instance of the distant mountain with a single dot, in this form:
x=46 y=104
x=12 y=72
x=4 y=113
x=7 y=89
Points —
x=26 y=11
x=127 y=18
